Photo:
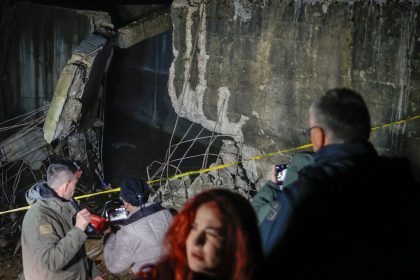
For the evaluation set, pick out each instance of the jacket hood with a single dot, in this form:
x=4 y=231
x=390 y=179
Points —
x=40 y=191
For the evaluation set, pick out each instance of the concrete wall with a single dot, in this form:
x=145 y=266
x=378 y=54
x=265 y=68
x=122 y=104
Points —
x=247 y=69
x=251 y=68
x=36 y=43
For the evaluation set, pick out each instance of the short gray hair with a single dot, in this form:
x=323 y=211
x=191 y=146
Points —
x=58 y=174
x=343 y=113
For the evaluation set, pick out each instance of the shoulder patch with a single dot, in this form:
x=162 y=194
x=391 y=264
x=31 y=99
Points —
x=45 y=229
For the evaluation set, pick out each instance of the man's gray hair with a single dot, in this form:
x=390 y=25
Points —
x=58 y=174
x=343 y=114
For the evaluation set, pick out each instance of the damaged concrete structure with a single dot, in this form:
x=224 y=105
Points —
x=243 y=71
x=72 y=90
x=220 y=86
x=251 y=68
x=146 y=27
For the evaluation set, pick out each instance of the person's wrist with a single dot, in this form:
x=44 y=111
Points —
x=80 y=232
x=80 y=227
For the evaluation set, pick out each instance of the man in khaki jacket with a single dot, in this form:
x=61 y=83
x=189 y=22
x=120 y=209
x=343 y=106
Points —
x=52 y=246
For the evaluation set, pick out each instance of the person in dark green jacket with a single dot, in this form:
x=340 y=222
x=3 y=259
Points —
x=52 y=245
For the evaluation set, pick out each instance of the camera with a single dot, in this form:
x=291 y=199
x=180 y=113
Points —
x=117 y=214
x=281 y=171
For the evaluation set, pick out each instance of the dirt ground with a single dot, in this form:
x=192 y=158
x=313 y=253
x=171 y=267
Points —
x=11 y=263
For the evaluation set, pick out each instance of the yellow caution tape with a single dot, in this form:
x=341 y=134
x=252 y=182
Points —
x=77 y=198
x=221 y=166
x=303 y=147
x=97 y=193
x=15 y=210
x=396 y=122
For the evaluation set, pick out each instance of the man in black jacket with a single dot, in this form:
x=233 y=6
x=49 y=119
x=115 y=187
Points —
x=350 y=215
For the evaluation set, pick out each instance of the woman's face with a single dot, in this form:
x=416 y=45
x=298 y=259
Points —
x=205 y=242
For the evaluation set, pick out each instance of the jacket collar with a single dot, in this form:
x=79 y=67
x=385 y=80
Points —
x=340 y=151
x=142 y=212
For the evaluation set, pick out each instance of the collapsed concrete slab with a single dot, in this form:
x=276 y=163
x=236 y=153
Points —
x=143 y=29
x=27 y=145
x=76 y=85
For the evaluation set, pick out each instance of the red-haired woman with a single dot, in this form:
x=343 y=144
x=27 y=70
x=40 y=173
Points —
x=215 y=236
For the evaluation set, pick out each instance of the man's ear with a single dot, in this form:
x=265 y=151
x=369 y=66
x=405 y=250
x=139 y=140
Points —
x=62 y=190
x=66 y=187
x=317 y=138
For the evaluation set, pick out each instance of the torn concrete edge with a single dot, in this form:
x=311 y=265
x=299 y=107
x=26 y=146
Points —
x=143 y=29
x=100 y=22
x=28 y=145
x=83 y=57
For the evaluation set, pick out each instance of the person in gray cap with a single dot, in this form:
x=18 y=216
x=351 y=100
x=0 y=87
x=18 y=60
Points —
x=139 y=240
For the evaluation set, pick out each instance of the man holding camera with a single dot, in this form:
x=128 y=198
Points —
x=52 y=245
x=139 y=240
x=351 y=214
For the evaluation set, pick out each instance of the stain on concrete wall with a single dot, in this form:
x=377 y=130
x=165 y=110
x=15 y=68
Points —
x=270 y=59
x=249 y=69
x=188 y=100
